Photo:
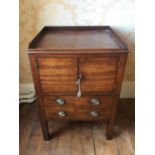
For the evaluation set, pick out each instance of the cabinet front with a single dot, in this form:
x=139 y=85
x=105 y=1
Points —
x=58 y=75
x=98 y=74
x=61 y=75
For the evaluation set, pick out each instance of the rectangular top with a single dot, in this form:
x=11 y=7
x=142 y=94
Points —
x=76 y=38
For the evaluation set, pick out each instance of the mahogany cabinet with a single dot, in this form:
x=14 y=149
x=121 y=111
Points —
x=77 y=72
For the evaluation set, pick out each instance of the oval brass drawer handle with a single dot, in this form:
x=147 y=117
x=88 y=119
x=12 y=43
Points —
x=95 y=101
x=60 y=101
x=94 y=113
x=61 y=114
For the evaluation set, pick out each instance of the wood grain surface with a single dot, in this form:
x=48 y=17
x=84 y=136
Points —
x=78 y=108
x=57 y=75
x=98 y=74
x=62 y=61
x=83 y=37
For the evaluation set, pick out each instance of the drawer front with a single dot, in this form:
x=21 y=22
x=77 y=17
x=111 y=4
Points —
x=72 y=114
x=93 y=115
x=58 y=74
x=58 y=101
x=93 y=102
x=60 y=113
x=98 y=74
x=81 y=108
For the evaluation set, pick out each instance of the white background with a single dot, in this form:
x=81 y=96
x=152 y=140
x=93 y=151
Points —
x=145 y=77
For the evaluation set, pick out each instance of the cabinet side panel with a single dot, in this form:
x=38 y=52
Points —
x=120 y=73
x=42 y=116
x=36 y=80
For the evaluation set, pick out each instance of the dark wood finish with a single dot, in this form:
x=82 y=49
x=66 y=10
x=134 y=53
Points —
x=43 y=119
x=57 y=74
x=72 y=101
x=77 y=38
x=78 y=108
x=98 y=74
x=120 y=74
x=111 y=121
x=58 y=55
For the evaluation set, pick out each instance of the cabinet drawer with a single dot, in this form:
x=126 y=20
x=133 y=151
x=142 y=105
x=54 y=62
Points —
x=78 y=108
x=60 y=113
x=77 y=114
x=93 y=114
x=94 y=102
x=81 y=102
x=58 y=101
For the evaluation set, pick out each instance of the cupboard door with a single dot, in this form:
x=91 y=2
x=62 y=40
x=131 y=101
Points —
x=58 y=75
x=98 y=74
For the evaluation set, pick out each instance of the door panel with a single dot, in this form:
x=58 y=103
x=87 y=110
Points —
x=58 y=74
x=98 y=74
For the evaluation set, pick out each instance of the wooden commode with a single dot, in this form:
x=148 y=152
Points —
x=78 y=73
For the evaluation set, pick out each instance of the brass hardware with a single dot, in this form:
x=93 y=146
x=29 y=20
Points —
x=60 y=101
x=94 y=113
x=61 y=113
x=79 y=93
x=95 y=101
